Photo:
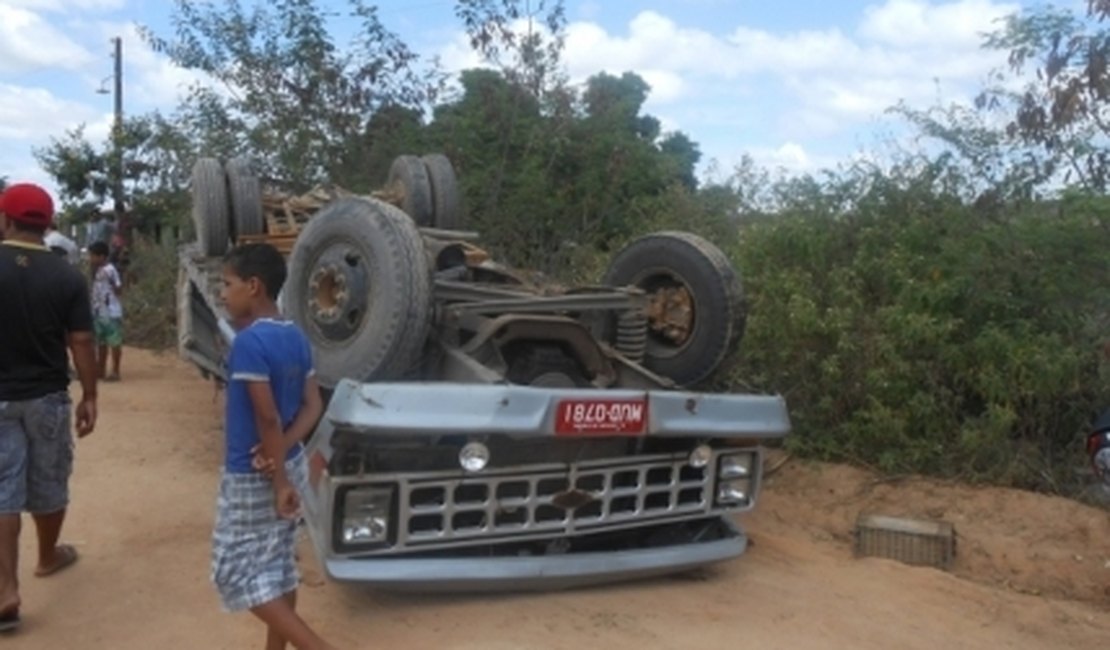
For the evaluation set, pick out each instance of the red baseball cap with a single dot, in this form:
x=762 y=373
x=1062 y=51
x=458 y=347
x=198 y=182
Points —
x=27 y=203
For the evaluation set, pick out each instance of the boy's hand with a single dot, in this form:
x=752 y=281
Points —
x=286 y=501
x=260 y=462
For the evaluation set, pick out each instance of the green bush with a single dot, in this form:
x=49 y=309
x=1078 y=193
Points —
x=150 y=299
x=914 y=333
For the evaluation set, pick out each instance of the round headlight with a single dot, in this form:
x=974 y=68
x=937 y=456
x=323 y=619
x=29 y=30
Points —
x=474 y=457
x=700 y=456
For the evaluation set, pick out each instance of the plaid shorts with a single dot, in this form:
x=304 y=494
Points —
x=252 y=548
x=36 y=454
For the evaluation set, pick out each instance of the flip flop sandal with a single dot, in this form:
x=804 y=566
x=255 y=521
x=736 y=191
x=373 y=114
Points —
x=67 y=555
x=9 y=620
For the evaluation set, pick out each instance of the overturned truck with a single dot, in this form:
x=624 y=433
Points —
x=485 y=428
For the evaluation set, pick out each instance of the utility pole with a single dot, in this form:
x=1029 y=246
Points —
x=117 y=141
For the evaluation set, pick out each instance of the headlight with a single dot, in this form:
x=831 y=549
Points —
x=700 y=456
x=734 y=492
x=474 y=457
x=735 y=466
x=366 y=515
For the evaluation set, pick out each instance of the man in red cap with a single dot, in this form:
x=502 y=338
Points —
x=46 y=308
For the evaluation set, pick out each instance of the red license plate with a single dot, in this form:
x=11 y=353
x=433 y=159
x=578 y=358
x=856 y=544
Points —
x=601 y=417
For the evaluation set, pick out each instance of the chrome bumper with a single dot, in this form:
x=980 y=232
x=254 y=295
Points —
x=550 y=572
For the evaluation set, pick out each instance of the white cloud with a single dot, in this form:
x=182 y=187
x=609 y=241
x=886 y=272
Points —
x=66 y=5
x=33 y=114
x=900 y=49
x=150 y=78
x=27 y=42
x=790 y=155
x=913 y=23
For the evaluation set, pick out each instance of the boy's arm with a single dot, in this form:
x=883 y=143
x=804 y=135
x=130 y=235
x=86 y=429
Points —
x=116 y=282
x=268 y=422
x=312 y=407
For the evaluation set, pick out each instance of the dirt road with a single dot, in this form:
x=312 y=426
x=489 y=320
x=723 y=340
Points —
x=1031 y=573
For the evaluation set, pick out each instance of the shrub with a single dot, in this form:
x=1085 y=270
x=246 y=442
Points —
x=150 y=303
x=914 y=333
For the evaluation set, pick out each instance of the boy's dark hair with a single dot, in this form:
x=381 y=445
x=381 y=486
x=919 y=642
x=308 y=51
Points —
x=98 y=248
x=261 y=261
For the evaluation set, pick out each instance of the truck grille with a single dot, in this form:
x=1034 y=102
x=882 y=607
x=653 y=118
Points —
x=450 y=510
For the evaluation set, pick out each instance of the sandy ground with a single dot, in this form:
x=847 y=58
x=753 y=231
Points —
x=1032 y=571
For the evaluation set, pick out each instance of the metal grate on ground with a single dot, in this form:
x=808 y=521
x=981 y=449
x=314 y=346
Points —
x=910 y=541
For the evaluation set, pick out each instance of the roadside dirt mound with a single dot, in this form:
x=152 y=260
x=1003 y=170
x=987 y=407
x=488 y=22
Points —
x=1025 y=542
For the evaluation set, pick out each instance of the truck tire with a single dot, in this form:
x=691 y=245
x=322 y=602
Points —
x=210 y=206
x=409 y=175
x=245 y=194
x=697 y=314
x=360 y=287
x=445 y=192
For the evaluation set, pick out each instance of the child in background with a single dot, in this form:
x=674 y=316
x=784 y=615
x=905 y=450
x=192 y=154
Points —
x=107 y=310
x=273 y=403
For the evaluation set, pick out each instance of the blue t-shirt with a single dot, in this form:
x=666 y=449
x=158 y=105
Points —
x=270 y=351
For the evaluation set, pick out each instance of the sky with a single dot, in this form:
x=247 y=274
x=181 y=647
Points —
x=797 y=84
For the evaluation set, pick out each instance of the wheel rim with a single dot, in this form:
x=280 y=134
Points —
x=339 y=292
x=672 y=314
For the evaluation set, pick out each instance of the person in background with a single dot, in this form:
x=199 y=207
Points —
x=45 y=308
x=107 y=310
x=100 y=229
x=62 y=245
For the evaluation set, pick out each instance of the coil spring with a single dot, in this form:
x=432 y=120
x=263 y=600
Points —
x=632 y=326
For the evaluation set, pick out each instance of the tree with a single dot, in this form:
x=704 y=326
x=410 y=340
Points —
x=1064 y=107
x=157 y=161
x=79 y=169
x=522 y=38
x=287 y=93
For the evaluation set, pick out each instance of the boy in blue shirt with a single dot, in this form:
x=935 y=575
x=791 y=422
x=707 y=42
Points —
x=272 y=404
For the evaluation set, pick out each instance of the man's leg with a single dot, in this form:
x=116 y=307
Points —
x=52 y=556
x=13 y=498
x=9 y=562
x=50 y=462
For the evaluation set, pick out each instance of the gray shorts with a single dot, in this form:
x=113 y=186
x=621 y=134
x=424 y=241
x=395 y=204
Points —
x=253 y=549
x=36 y=454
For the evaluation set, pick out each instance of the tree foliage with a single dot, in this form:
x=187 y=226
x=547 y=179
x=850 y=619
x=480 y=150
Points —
x=285 y=92
x=916 y=333
x=524 y=39
x=156 y=161
x=1064 y=106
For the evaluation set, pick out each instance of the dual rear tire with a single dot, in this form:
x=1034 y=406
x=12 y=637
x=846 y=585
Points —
x=227 y=203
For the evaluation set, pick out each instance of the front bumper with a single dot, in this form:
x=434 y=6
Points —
x=549 y=572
